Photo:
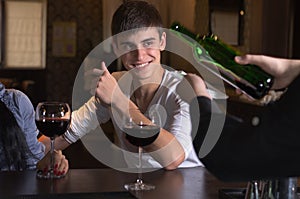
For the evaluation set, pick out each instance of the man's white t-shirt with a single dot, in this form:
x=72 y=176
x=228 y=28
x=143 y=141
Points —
x=174 y=116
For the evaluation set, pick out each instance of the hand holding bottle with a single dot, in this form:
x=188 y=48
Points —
x=283 y=70
x=249 y=78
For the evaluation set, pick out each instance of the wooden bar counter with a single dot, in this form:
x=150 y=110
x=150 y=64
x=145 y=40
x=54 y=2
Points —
x=189 y=183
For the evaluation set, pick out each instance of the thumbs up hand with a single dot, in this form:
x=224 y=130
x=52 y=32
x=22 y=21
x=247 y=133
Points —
x=107 y=90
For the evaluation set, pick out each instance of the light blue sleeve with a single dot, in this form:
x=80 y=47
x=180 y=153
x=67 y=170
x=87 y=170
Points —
x=25 y=116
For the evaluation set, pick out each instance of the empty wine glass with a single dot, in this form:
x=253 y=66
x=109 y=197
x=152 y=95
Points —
x=52 y=119
x=140 y=135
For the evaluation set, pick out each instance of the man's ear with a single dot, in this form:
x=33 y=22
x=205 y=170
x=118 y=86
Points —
x=163 y=40
x=115 y=47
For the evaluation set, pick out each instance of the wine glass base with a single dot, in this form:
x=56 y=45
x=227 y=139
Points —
x=138 y=187
x=48 y=175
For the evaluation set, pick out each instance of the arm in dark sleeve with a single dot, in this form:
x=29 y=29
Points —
x=204 y=120
x=233 y=151
x=244 y=152
x=205 y=106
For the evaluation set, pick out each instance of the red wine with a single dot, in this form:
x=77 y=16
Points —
x=52 y=127
x=141 y=135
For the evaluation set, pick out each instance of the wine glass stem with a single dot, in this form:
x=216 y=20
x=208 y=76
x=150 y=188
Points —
x=139 y=180
x=52 y=155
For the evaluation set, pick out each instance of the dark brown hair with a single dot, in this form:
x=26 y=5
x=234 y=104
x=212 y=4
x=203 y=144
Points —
x=135 y=14
x=13 y=141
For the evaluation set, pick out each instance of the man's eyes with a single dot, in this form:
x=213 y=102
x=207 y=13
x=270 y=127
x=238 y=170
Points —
x=128 y=47
x=148 y=44
x=131 y=47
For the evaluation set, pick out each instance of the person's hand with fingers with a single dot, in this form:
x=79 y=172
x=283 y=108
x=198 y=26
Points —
x=108 y=90
x=61 y=164
x=284 y=71
x=91 y=78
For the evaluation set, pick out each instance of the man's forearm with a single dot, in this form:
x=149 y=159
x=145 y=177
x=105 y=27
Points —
x=165 y=149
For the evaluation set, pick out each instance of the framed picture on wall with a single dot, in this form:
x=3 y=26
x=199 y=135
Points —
x=64 y=39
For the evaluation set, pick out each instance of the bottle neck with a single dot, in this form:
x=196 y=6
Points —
x=179 y=28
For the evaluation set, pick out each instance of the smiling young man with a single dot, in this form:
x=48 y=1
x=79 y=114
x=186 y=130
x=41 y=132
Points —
x=143 y=93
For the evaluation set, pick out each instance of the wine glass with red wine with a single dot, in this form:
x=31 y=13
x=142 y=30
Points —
x=52 y=119
x=140 y=135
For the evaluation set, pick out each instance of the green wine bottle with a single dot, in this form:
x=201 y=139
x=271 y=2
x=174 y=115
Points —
x=251 y=79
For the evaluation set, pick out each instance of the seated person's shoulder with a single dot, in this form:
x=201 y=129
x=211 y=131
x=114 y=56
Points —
x=117 y=75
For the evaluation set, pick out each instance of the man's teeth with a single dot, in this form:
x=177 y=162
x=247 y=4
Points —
x=141 y=65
